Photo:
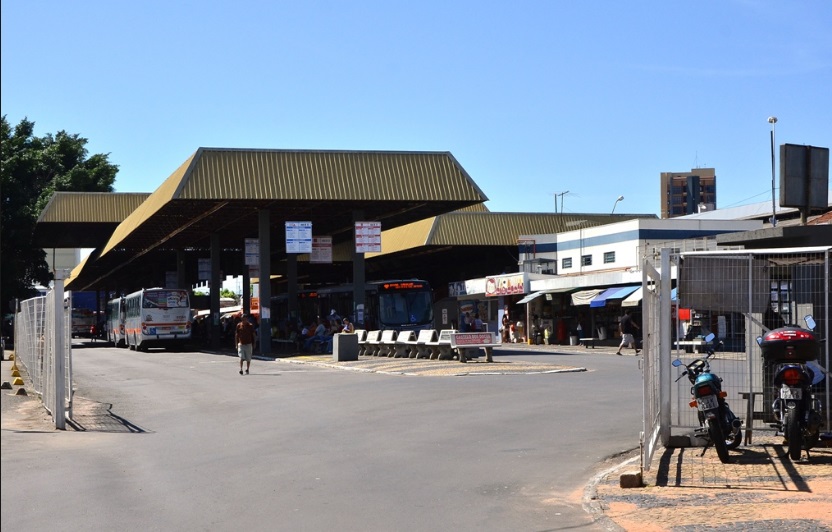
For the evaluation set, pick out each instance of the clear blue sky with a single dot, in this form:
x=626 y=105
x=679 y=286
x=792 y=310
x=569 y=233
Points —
x=533 y=98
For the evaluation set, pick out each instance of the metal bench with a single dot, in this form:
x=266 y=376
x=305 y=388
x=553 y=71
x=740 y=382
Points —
x=368 y=345
x=691 y=346
x=405 y=341
x=421 y=349
x=588 y=342
x=464 y=343
x=441 y=348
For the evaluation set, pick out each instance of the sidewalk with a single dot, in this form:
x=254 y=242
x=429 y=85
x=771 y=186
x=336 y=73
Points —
x=690 y=489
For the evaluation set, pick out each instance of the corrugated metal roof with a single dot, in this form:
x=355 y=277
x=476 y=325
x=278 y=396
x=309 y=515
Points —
x=466 y=228
x=327 y=175
x=217 y=174
x=152 y=204
x=91 y=207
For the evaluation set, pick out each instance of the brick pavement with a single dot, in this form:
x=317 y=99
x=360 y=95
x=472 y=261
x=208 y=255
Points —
x=690 y=489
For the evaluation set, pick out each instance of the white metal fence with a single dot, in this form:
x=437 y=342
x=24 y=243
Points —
x=43 y=346
x=737 y=295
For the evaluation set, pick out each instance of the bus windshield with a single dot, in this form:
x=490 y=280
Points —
x=405 y=307
x=165 y=299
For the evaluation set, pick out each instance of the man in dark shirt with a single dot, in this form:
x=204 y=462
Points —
x=628 y=328
x=244 y=338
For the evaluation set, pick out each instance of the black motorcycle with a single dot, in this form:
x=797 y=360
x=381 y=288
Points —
x=718 y=424
x=789 y=355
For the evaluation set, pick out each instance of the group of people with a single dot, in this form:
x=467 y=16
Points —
x=318 y=335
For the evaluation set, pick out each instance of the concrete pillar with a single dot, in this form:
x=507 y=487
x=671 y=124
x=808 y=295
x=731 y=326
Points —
x=264 y=219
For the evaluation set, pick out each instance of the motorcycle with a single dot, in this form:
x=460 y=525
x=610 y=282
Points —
x=718 y=424
x=789 y=355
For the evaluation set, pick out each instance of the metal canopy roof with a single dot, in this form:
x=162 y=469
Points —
x=220 y=191
x=83 y=219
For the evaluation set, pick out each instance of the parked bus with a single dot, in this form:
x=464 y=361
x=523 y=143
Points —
x=151 y=317
x=402 y=304
x=114 y=324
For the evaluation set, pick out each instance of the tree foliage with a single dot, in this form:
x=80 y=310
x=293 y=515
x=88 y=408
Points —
x=33 y=168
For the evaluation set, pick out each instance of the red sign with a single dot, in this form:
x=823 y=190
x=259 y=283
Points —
x=473 y=338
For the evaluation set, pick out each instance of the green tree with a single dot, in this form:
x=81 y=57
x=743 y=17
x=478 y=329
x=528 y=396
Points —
x=33 y=168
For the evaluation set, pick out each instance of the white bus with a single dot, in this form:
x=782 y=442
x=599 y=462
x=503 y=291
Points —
x=115 y=322
x=154 y=317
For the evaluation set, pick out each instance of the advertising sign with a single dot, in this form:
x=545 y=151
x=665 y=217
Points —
x=204 y=267
x=368 y=237
x=504 y=285
x=298 y=237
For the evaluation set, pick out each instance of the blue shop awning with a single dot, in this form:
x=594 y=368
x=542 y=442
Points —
x=617 y=292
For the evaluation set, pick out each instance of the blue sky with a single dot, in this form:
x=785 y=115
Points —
x=532 y=98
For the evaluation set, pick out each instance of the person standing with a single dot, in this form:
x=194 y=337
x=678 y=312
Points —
x=628 y=328
x=506 y=321
x=244 y=336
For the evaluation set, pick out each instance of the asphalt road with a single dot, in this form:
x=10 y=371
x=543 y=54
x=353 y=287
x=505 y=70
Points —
x=181 y=441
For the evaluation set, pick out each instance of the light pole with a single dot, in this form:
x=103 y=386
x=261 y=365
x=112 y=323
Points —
x=772 y=120
x=561 y=194
x=616 y=203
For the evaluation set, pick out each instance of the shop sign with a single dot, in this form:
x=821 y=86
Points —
x=505 y=285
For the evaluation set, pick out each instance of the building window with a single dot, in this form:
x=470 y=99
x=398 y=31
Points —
x=586 y=260
x=609 y=257
x=566 y=263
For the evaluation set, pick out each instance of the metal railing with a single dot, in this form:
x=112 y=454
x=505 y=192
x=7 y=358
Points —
x=43 y=346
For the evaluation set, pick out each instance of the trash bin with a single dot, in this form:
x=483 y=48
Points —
x=573 y=340
x=344 y=347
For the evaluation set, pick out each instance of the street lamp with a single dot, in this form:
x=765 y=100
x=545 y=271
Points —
x=616 y=203
x=772 y=120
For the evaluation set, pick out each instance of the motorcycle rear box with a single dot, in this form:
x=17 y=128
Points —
x=790 y=344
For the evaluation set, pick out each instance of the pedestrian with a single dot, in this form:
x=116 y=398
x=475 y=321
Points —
x=627 y=327
x=244 y=336
x=348 y=328
x=478 y=326
x=506 y=322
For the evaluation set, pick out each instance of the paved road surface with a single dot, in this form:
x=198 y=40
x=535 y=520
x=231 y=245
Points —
x=181 y=441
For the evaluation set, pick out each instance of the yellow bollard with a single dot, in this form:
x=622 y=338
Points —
x=17 y=381
x=15 y=373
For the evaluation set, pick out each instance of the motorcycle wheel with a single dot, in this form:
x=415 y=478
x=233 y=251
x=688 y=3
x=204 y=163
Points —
x=718 y=440
x=792 y=431
x=735 y=441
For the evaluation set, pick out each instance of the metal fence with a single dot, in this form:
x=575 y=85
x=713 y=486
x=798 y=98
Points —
x=738 y=295
x=43 y=346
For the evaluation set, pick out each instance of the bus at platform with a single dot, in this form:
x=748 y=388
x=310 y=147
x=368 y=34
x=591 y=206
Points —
x=150 y=317
x=400 y=304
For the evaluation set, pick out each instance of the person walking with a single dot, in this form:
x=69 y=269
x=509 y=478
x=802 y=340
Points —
x=628 y=328
x=244 y=336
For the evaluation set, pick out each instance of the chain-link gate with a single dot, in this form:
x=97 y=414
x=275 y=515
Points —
x=43 y=346
x=738 y=296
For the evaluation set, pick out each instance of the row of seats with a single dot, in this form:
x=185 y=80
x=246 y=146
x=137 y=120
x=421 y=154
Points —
x=406 y=344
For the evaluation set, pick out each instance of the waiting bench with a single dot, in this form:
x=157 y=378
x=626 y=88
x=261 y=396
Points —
x=385 y=345
x=691 y=346
x=366 y=347
x=441 y=348
x=465 y=342
x=405 y=341
x=421 y=349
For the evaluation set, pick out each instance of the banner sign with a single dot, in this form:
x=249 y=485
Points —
x=368 y=237
x=504 y=285
x=298 y=237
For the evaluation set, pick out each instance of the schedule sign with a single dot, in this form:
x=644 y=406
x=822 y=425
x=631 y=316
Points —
x=252 y=251
x=298 y=237
x=321 y=250
x=368 y=237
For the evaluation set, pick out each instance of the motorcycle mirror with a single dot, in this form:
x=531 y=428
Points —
x=676 y=363
x=810 y=322
x=710 y=338
x=759 y=340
